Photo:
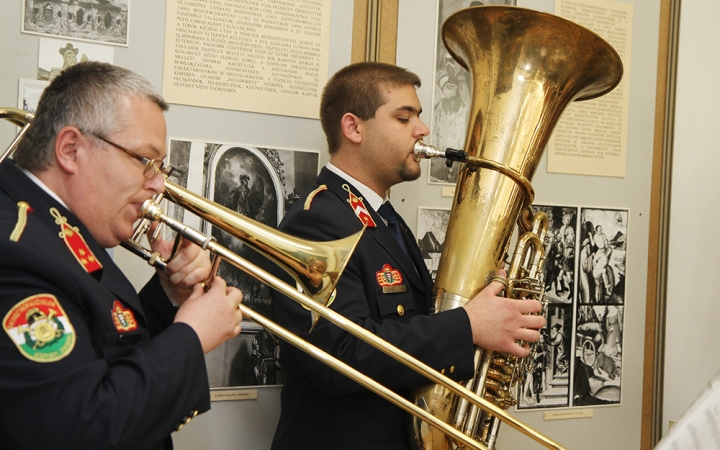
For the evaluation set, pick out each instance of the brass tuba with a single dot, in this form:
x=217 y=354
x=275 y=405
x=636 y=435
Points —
x=526 y=67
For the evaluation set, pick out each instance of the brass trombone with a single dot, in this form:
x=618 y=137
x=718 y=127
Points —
x=316 y=267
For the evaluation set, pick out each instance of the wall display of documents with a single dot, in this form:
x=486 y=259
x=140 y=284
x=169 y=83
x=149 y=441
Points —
x=266 y=56
x=591 y=136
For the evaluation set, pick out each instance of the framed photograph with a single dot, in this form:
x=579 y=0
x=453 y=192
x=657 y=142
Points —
x=431 y=227
x=451 y=96
x=578 y=359
x=103 y=21
x=29 y=92
x=54 y=55
x=260 y=184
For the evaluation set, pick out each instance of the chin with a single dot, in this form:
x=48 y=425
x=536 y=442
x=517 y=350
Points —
x=410 y=173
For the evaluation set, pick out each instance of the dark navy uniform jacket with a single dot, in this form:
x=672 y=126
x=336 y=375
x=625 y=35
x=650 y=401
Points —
x=85 y=362
x=323 y=409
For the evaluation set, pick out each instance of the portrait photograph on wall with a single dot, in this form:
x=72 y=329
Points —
x=259 y=184
x=451 y=96
x=104 y=21
x=431 y=227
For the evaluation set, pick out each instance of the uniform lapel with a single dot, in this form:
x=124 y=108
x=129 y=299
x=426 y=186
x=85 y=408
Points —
x=20 y=188
x=382 y=235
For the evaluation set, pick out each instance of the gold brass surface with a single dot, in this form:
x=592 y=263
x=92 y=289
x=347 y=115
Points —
x=526 y=67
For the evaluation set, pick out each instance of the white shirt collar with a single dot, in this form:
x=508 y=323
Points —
x=42 y=185
x=368 y=194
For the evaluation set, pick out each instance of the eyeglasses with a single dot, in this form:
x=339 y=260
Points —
x=152 y=166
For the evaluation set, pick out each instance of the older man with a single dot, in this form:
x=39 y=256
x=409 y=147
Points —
x=85 y=361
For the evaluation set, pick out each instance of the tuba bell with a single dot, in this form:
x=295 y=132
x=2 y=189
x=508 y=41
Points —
x=526 y=67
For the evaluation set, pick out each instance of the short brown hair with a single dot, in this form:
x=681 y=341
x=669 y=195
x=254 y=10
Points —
x=358 y=89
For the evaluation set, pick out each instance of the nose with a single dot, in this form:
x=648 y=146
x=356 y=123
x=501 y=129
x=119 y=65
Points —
x=155 y=183
x=421 y=130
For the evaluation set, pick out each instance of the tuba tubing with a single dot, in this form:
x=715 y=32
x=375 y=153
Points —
x=526 y=67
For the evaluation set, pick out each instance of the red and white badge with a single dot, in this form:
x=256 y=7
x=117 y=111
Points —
x=123 y=318
x=359 y=208
x=388 y=276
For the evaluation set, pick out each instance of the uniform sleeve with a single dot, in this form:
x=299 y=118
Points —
x=80 y=398
x=443 y=341
x=159 y=311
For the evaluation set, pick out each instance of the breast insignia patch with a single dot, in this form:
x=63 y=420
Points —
x=123 y=318
x=76 y=243
x=358 y=207
x=40 y=328
x=388 y=276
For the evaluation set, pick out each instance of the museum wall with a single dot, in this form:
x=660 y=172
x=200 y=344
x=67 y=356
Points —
x=250 y=423
x=694 y=253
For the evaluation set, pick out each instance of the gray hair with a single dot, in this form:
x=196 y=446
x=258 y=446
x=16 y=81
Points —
x=86 y=95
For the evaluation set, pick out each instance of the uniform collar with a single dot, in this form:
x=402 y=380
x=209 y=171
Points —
x=368 y=194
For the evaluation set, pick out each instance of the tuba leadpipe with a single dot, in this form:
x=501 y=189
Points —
x=241 y=226
x=525 y=67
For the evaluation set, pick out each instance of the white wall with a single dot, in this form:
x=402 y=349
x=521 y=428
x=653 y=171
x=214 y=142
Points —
x=693 y=309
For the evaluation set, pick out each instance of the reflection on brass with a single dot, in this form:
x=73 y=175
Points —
x=526 y=67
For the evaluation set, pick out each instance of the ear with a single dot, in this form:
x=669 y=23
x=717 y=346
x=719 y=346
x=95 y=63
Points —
x=352 y=128
x=67 y=148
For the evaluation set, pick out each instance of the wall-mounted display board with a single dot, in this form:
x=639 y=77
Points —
x=250 y=423
x=588 y=427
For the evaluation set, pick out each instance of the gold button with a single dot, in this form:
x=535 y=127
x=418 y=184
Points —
x=400 y=310
x=442 y=371
x=452 y=369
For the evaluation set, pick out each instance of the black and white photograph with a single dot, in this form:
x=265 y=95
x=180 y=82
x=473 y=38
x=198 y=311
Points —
x=259 y=184
x=431 y=227
x=250 y=359
x=547 y=382
x=55 y=55
x=559 y=269
x=103 y=21
x=451 y=96
x=598 y=355
x=602 y=256
x=29 y=92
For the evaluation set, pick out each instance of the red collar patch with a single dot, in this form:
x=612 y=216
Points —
x=388 y=276
x=76 y=243
x=359 y=208
x=123 y=318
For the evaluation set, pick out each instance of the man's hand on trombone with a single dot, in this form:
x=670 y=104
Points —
x=212 y=313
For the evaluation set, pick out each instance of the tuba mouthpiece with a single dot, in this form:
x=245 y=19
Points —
x=422 y=150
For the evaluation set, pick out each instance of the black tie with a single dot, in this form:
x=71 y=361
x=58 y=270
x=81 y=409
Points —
x=388 y=213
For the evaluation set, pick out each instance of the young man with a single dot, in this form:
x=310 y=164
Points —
x=370 y=113
x=86 y=362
